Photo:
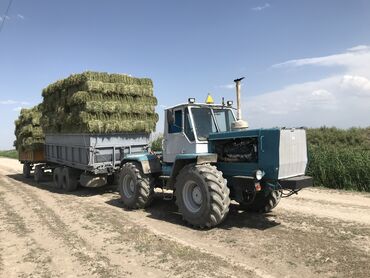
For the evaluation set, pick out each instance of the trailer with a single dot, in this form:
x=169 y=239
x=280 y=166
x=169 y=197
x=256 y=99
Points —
x=91 y=160
x=30 y=158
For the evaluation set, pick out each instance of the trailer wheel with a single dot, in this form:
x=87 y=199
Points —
x=26 y=170
x=69 y=179
x=136 y=188
x=38 y=174
x=57 y=177
x=263 y=203
x=202 y=195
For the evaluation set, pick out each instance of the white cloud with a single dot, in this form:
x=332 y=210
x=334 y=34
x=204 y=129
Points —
x=8 y=101
x=227 y=86
x=260 y=8
x=359 y=48
x=355 y=61
x=20 y=16
x=4 y=17
x=12 y=102
x=356 y=84
x=342 y=99
x=18 y=108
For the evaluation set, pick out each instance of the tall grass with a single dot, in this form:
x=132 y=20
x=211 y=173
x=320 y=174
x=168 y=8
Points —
x=9 y=153
x=339 y=158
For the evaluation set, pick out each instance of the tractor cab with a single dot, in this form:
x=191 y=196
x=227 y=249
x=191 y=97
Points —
x=187 y=127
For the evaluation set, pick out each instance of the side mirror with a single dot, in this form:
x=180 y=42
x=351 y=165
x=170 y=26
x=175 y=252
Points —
x=170 y=117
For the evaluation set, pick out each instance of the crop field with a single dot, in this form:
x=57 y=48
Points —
x=340 y=158
x=9 y=153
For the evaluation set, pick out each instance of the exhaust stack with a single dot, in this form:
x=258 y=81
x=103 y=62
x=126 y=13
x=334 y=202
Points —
x=239 y=123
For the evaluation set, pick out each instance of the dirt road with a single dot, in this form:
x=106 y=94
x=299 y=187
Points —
x=47 y=233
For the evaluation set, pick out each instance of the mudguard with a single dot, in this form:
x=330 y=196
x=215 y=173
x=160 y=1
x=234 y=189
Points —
x=150 y=163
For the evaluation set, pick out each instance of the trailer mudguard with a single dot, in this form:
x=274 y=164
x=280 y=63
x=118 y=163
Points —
x=150 y=163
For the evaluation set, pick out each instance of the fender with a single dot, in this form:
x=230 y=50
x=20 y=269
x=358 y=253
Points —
x=150 y=163
x=184 y=159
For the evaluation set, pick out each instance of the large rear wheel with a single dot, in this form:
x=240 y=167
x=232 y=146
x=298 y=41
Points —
x=38 y=173
x=69 y=179
x=27 y=170
x=57 y=177
x=263 y=203
x=136 y=188
x=202 y=195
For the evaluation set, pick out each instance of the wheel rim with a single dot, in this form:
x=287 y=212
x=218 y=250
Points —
x=128 y=185
x=192 y=196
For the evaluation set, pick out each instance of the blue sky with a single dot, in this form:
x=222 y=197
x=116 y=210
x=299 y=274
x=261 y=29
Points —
x=307 y=63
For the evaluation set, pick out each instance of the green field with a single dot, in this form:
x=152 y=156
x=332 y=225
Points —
x=339 y=158
x=9 y=153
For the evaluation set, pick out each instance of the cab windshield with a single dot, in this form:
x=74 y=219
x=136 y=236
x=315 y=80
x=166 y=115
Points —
x=208 y=120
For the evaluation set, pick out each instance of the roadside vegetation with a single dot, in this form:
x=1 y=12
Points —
x=339 y=158
x=156 y=143
x=9 y=153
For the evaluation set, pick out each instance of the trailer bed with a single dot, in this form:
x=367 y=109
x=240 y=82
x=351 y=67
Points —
x=96 y=153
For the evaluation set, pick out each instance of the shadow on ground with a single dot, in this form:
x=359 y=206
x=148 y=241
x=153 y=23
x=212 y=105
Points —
x=166 y=210
x=160 y=209
x=47 y=184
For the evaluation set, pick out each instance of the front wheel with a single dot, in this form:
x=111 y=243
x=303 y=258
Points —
x=136 y=188
x=262 y=202
x=202 y=195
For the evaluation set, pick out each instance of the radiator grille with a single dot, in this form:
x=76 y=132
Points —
x=292 y=153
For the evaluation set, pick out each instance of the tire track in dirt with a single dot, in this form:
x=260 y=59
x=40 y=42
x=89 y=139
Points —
x=159 y=252
x=90 y=259
x=281 y=244
x=312 y=246
x=35 y=259
x=332 y=210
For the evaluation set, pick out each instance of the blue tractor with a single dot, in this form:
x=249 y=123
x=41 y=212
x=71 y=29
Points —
x=210 y=157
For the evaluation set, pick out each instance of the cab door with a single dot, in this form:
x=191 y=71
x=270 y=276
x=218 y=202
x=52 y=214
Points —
x=178 y=135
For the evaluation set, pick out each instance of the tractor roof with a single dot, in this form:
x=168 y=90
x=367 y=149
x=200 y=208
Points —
x=198 y=105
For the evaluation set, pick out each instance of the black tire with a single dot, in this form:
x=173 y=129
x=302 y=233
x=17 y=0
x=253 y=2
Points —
x=69 y=179
x=57 y=177
x=38 y=173
x=202 y=195
x=263 y=203
x=26 y=170
x=136 y=188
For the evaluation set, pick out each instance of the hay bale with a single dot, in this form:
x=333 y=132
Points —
x=76 y=80
x=28 y=130
x=99 y=103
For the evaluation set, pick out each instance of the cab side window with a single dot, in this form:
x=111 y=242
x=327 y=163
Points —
x=188 y=129
x=176 y=127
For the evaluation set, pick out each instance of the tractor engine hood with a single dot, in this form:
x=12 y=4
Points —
x=279 y=152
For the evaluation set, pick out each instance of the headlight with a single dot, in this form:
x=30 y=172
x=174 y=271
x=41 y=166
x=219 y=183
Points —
x=259 y=174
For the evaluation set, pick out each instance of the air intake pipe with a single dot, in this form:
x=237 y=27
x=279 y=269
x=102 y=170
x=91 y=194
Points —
x=239 y=123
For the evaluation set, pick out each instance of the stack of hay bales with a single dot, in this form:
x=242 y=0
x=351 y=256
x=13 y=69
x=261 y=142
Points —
x=28 y=130
x=93 y=102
